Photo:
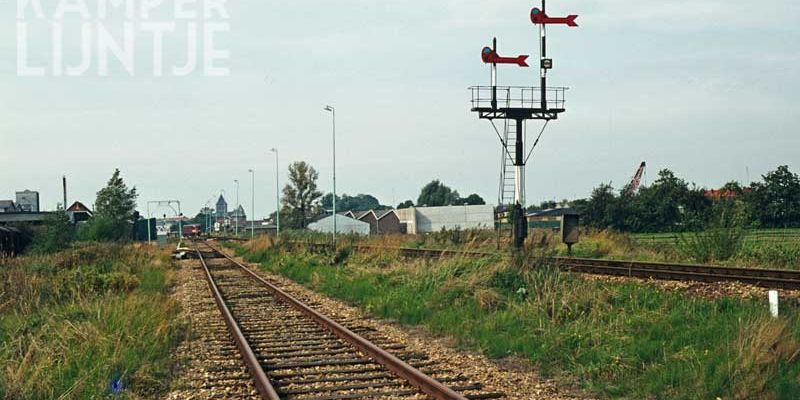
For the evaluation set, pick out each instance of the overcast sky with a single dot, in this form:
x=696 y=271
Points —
x=708 y=89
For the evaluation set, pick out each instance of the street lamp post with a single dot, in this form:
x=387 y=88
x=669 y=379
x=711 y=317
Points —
x=236 y=214
x=333 y=112
x=277 y=197
x=180 y=223
x=208 y=207
x=224 y=222
x=252 y=203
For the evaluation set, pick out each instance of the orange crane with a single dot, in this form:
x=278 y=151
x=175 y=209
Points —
x=637 y=179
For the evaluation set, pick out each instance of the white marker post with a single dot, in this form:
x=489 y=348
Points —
x=773 y=303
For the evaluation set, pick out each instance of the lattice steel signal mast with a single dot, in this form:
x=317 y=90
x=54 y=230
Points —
x=517 y=104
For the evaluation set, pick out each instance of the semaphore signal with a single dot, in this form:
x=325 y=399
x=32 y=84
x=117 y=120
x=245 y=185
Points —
x=489 y=56
x=515 y=105
x=539 y=17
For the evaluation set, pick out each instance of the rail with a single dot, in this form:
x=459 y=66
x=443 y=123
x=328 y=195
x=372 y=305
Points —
x=415 y=377
x=260 y=379
x=769 y=278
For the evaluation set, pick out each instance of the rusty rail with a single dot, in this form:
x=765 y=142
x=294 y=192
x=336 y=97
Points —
x=260 y=379
x=769 y=278
x=418 y=379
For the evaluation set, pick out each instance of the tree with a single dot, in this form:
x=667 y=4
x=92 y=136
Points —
x=474 y=200
x=599 y=209
x=436 y=194
x=669 y=204
x=360 y=202
x=548 y=204
x=300 y=195
x=776 y=202
x=732 y=188
x=405 y=204
x=114 y=210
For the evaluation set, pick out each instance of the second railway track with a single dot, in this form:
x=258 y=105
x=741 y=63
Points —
x=294 y=352
x=768 y=278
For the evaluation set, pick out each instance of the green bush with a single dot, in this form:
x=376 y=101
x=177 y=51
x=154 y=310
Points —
x=718 y=244
x=55 y=235
x=780 y=255
x=101 y=229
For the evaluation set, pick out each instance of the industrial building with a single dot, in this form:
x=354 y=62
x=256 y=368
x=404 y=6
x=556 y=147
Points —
x=435 y=219
x=28 y=201
x=381 y=222
x=78 y=212
x=344 y=225
x=387 y=222
x=8 y=206
x=411 y=220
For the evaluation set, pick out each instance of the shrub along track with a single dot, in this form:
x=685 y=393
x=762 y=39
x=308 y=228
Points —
x=768 y=278
x=294 y=352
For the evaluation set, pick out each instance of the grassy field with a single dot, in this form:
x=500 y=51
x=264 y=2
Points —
x=614 y=340
x=87 y=322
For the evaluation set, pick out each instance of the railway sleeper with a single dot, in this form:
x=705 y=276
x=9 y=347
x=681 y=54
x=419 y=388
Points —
x=353 y=378
x=310 y=357
x=320 y=363
x=391 y=394
x=332 y=389
x=302 y=344
x=331 y=346
x=269 y=343
x=339 y=363
x=311 y=353
x=327 y=372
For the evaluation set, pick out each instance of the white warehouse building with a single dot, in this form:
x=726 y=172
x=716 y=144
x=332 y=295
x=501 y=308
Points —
x=434 y=219
x=344 y=225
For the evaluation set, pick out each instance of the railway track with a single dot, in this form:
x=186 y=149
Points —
x=294 y=352
x=768 y=278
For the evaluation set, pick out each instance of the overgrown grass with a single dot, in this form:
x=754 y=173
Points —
x=723 y=247
x=719 y=244
x=729 y=247
x=617 y=340
x=76 y=321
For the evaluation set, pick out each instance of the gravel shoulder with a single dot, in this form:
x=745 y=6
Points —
x=705 y=290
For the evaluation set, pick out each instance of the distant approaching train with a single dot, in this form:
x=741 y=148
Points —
x=192 y=230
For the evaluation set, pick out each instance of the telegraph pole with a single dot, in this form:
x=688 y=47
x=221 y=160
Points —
x=332 y=110
x=236 y=214
x=252 y=203
x=277 y=197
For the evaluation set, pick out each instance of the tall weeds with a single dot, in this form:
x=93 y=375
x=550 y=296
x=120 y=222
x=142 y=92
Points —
x=720 y=242
x=763 y=345
x=73 y=321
